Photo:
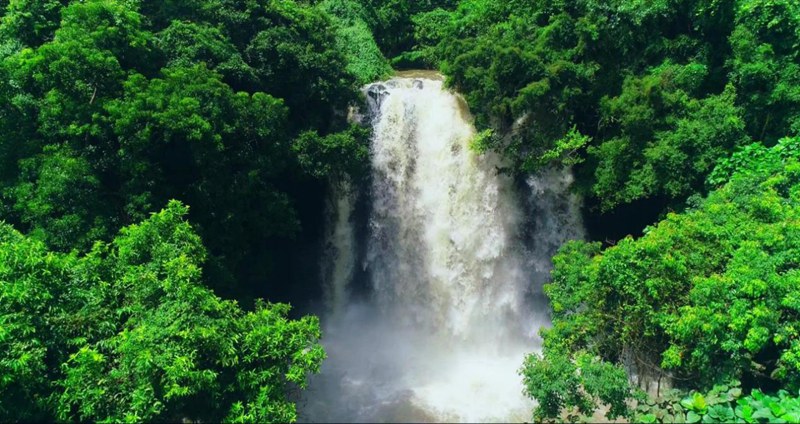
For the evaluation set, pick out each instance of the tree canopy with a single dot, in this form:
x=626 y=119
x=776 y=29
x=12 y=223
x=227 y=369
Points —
x=659 y=90
x=708 y=295
x=127 y=332
x=109 y=108
x=110 y=308
x=114 y=309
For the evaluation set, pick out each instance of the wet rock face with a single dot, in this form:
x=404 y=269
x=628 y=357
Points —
x=375 y=95
x=365 y=115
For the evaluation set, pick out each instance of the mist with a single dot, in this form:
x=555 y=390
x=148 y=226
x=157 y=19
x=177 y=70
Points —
x=433 y=270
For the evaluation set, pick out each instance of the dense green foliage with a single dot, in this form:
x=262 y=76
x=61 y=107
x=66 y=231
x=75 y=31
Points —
x=355 y=40
x=708 y=295
x=648 y=101
x=128 y=333
x=658 y=91
x=109 y=108
x=392 y=21
x=723 y=403
x=574 y=386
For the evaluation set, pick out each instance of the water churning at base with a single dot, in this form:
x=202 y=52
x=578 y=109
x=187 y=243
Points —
x=445 y=258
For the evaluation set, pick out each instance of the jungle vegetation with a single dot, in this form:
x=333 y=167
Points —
x=163 y=163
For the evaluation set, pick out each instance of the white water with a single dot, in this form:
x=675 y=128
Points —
x=452 y=305
x=340 y=246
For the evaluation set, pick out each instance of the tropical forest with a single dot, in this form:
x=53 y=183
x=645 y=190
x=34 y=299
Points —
x=258 y=211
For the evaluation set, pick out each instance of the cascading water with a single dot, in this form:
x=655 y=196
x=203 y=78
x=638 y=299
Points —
x=340 y=244
x=449 y=260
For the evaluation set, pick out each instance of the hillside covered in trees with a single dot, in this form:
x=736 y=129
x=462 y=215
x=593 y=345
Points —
x=164 y=167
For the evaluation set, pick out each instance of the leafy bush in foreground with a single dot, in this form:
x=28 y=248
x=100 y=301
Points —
x=722 y=404
x=128 y=333
x=705 y=296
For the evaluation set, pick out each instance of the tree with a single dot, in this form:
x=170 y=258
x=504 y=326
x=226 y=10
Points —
x=142 y=102
x=186 y=44
x=189 y=136
x=660 y=138
x=641 y=81
x=59 y=200
x=354 y=38
x=127 y=332
x=766 y=65
x=392 y=21
x=302 y=67
x=707 y=295
x=31 y=22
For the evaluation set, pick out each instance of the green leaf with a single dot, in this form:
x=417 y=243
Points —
x=647 y=418
x=745 y=412
x=698 y=402
x=723 y=413
x=776 y=408
x=692 y=417
x=763 y=413
x=792 y=416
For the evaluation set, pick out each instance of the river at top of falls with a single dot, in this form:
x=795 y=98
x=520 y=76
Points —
x=451 y=261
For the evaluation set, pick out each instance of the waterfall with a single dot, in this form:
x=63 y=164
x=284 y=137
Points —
x=451 y=264
x=442 y=229
x=339 y=245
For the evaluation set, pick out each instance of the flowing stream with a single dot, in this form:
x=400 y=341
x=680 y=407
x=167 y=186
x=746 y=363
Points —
x=434 y=270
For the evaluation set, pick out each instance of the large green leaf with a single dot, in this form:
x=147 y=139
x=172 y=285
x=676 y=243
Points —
x=693 y=417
